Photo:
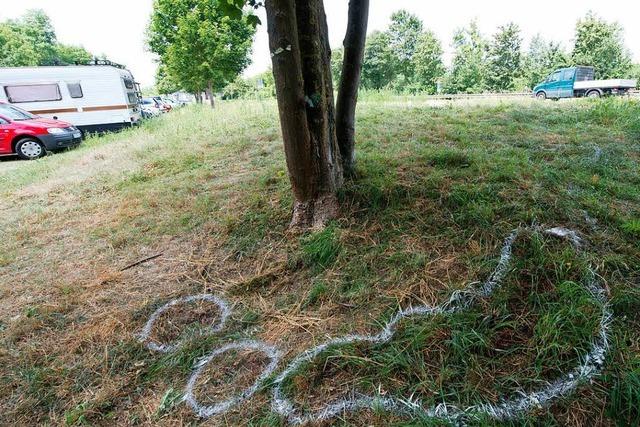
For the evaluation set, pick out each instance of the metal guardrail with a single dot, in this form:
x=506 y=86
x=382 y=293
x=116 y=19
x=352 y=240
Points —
x=480 y=95
x=447 y=97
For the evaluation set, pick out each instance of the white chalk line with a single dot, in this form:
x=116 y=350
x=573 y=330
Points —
x=143 y=336
x=204 y=411
x=507 y=409
x=459 y=301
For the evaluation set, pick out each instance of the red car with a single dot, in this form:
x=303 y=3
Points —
x=30 y=137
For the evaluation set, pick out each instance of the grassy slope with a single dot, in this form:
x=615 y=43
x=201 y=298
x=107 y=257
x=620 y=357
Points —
x=438 y=190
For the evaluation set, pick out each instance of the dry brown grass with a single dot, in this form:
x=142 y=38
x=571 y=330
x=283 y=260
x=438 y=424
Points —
x=217 y=212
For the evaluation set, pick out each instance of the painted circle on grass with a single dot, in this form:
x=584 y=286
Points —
x=217 y=326
x=506 y=409
x=205 y=411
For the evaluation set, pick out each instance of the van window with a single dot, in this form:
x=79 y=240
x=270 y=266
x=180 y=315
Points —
x=555 y=77
x=128 y=83
x=133 y=98
x=33 y=93
x=568 y=74
x=75 y=90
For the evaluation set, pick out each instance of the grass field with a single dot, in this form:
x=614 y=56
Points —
x=438 y=189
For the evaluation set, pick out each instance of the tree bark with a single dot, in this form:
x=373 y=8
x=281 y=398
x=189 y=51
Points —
x=298 y=40
x=354 y=46
x=210 y=95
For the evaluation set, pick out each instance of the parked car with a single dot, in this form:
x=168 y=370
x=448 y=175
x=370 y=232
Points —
x=162 y=104
x=150 y=108
x=170 y=102
x=100 y=97
x=576 y=82
x=30 y=136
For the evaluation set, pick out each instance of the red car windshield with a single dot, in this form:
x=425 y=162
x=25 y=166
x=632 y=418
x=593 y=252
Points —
x=14 y=113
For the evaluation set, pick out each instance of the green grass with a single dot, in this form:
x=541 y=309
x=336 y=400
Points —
x=321 y=249
x=532 y=330
x=437 y=189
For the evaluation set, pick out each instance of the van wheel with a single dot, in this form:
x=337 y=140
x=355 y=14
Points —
x=594 y=94
x=30 y=149
x=541 y=96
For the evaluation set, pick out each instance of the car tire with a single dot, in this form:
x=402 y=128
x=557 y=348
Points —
x=594 y=94
x=30 y=149
x=541 y=96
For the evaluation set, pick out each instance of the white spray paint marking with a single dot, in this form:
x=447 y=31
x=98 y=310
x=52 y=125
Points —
x=223 y=406
x=143 y=337
x=459 y=301
x=565 y=233
x=207 y=411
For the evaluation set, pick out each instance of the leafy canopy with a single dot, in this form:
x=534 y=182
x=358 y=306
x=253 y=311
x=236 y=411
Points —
x=505 y=58
x=601 y=44
x=469 y=69
x=31 y=41
x=199 y=43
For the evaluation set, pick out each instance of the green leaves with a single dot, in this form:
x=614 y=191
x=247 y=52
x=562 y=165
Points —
x=202 y=44
x=505 y=58
x=232 y=8
x=31 y=40
x=253 y=20
x=600 y=44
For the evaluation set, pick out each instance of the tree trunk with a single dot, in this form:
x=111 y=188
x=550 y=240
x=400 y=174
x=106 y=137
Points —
x=210 y=95
x=354 y=46
x=298 y=40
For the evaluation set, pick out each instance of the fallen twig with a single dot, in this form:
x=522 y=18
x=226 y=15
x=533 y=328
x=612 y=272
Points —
x=142 y=261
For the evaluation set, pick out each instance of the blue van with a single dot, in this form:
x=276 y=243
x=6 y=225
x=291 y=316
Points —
x=576 y=82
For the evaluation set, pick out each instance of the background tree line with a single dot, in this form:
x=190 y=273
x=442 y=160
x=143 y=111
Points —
x=199 y=47
x=409 y=58
x=31 y=40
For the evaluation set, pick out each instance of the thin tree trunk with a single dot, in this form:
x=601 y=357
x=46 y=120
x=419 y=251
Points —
x=298 y=40
x=210 y=94
x=354 y=46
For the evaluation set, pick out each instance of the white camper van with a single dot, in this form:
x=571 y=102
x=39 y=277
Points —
x=95 y=98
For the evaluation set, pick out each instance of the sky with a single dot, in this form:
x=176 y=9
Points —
x=117 y=27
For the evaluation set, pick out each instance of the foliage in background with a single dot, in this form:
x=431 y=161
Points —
x=635 y=73
x=31 y=41
x=505 y=58
x=469 y=68
x=404 y=33
x=198 y=45
x=337 y=58
x=406 y=57
x=165 y=83
x=428 y=65
x=601 y=44
x=261 y=86
x=378 y=69
x=542 y=59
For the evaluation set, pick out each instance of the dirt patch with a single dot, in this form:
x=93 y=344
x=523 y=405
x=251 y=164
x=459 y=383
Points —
x=185 y=320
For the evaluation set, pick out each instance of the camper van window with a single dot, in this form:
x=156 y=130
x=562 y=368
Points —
x=133 y=98
x=75 y=90
x=33 y=93
x=128 y=83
